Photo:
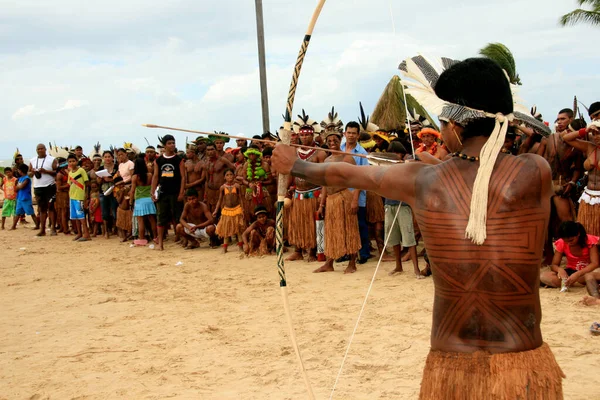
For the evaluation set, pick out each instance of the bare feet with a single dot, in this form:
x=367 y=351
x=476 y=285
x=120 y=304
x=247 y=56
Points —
x=327 y=267
x=295 y=256
x=387 y=258
x=76 y=238
x=590 y=301
x=396 y=271
x=192 y=244
x=350 y=269
x=224 y=248
x=418 y=274
x=311 y=258
x=13 y=229
x=41 y=234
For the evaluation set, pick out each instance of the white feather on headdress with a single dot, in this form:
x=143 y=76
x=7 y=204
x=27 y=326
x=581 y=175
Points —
x=332 y=124
x=305 y=122
x=131 y=148
x=58 y=152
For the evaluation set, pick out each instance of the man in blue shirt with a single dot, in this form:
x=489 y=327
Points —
x=359 y=204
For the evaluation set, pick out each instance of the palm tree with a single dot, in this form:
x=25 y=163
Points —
x=504 y=58
x=584 y=16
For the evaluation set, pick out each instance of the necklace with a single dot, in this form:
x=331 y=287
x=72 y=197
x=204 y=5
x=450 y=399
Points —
x=465 y=157
x=505 y=151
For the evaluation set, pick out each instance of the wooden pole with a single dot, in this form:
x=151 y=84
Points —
x=260 y=38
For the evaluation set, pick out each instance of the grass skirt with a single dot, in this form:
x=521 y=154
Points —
x=375 y=208
x=341 y=226
x=589 y=213
x=124 y=219
x=302 y=229
x=62 y=201
x=232 y=222
x=531 y=375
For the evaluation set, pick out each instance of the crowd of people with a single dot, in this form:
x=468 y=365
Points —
x=227 y=196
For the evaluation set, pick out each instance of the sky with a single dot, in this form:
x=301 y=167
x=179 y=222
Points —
x=77 y=73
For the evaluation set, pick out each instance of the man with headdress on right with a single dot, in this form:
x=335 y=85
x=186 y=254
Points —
x=483 y=227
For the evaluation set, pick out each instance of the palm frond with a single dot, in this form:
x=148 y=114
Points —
x=504 y=58
x=390 y=112
x=581 y=16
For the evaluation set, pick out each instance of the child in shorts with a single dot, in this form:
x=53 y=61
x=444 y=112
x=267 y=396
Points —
x=24 y=198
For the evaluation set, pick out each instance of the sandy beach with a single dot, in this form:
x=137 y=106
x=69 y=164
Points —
x=101 y=320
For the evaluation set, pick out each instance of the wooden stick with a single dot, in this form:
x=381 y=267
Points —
x=369 y=157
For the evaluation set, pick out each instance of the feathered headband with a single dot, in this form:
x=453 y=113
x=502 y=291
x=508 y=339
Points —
x=253 y=151
x=384 y=135
x=332 y=124
x=58 y=152
x=363 y=121
x=305 y=124
x=429 y=131
x=131 y=148
x=214 y=138
x=422 y=77
x=417 y=119
x=97 y=152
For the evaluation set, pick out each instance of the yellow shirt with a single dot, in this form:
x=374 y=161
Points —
x=77 y=180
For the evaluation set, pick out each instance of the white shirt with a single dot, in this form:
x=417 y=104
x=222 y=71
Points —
x=46 y=163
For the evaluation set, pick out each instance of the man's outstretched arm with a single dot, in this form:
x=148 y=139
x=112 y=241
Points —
x=396 y=182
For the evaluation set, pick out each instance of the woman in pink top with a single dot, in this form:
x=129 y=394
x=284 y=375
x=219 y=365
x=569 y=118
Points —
x=581 y=251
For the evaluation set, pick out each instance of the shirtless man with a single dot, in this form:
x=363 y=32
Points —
x=259 y=237
x=193 y=167
x=150 y=158
x=341 y=224
x=214 y=175
x=201 y=143
x=589 y=203
x=302 y=228
x=219 y=146
x=196 y=222
x=486 y=335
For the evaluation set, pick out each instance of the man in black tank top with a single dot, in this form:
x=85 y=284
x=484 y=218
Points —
x=169 y=173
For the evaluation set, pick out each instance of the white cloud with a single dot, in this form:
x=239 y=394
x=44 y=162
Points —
x=25 y=111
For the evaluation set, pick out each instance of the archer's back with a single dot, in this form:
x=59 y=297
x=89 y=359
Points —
x=486 y=297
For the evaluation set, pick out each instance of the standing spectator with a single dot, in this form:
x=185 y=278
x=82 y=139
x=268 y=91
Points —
x=43 y=168
x=77 y=197
x=359 y=200
x=169 y=172
x=9 y=184
x=107 y=199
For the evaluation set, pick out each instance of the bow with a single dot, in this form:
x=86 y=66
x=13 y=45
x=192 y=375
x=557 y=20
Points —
x=282 y=188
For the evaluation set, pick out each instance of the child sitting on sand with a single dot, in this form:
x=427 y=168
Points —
x=259 y=238
x=231 y=225
x=9 y=184
x=24 y=200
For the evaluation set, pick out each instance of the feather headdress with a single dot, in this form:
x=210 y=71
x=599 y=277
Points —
x=365 y=124
x=97 y=152
x=131 y=148
x=58 y=152
x=422 y=75
x=16 y=153
x=332 y=124
x=214 y=138
x=305 y=123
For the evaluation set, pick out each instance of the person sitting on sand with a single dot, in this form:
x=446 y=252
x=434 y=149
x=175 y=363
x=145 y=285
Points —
x=231 y=225
x=259 y=237
x=196 y=222
x=581 y=251
x=77 y=196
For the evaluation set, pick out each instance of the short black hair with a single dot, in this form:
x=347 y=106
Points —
x=191 y=192
x=71 y=156
x=478 y=83
x=260 y=210
x=594 y=108
x=108 y=152
x=567 y=111
x=78 y=148
x=396 y=147
x=352 y=124
x=24 y=168
x=167 y=138
x=7 y=169
x=256 y=137
x=268 y=151
x=229 y=170
x=578 y=124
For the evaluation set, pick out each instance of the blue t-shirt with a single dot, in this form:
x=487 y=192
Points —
x=25 y=193
x=362 y=197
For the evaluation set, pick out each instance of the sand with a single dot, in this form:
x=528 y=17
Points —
x=101 y=320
